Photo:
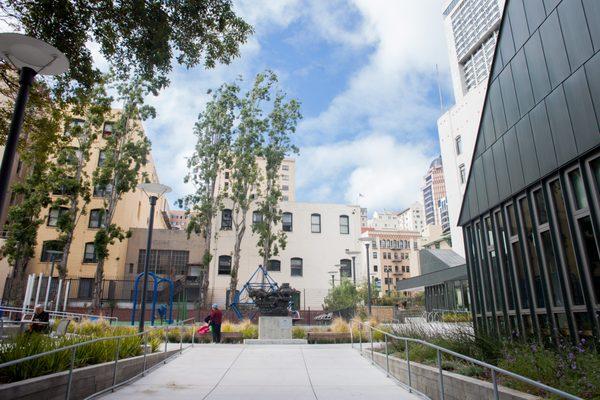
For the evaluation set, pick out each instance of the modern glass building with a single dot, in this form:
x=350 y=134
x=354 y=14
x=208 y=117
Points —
x=531 y=212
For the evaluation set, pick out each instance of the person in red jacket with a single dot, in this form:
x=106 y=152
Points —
x=214 y=320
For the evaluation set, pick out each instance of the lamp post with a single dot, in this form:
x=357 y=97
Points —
x=367 y=243
x=332 y=273
x=31 y=57
x=153 y=191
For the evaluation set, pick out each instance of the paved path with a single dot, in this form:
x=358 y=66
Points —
x=255 y=372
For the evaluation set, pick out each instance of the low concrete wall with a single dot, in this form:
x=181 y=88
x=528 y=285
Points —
x=86 y=381
x=456 y=387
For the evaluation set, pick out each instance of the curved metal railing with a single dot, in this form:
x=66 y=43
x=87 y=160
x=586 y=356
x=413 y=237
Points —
x=494 y=370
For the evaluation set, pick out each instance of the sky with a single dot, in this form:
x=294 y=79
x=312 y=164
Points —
x=364 y=72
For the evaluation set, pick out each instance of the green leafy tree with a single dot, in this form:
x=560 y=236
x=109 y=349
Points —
x=345 y=295
x=68 y=174
x=363 y=291
x=281 y=124
x=126 y=151
x=214 y=130
x=138 y=38
x=243 y=167
x=31 y=193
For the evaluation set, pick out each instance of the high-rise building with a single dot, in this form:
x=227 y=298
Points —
x=471 y=28
x=531 y=211
x=412 y=218
x=434 y=194
x=178 y=219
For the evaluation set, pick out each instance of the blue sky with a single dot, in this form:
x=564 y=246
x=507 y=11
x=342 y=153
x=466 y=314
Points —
x=364 y=72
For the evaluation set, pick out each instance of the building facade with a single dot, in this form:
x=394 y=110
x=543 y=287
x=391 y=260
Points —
x=178 y=219
x=471 y=28
x=412 y=218
x=319 y=238
x=434 y=195
x=393 y=256
x=132 y=211
x=531 y=212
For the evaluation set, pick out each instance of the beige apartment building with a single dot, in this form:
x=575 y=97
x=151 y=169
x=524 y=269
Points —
x=132 y=211
x=393 y=256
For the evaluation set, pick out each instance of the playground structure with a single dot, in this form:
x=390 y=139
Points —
x=157 y=281
x=31 y=285
x=260 y=280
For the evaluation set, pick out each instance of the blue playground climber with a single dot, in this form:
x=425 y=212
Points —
x=162 y=313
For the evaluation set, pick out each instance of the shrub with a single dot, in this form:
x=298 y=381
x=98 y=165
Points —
x=338 y=325
x=456 y=317
x=298 y=333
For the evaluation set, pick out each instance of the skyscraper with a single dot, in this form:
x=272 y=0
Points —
x=434 y=195
x=471 y=31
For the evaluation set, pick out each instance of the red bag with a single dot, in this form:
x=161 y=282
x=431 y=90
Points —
x=203 y=330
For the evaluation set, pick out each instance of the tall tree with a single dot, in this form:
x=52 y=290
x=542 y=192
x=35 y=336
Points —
x=137 y=38
x=126 y=151
x=68 y=175
x=214 y=131
x=282 y=121
x=243 y=166
x=38 y=144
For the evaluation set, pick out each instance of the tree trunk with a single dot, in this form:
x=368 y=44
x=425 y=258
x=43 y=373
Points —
x=18 y=283
x=62 y=266
x=237 y=249
x=96 y=300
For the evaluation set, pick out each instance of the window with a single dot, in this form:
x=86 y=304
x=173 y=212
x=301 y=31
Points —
x=296 y=267
x=407 y=268
x=224 y=265
x=462 y=173
x=287 y=221
x=226 y=175
x=51 y=245
x=96 y=218
x=374 y=254
x=344 y=225
x=578 y=189
x=274 y=265
x=285 y=178
x=285 y=198
x=315 y=223
x=89 y=254
x=285 y=187
x=108 y=129
x=226 y=219
x=374 y=268
x=458 y=145
x=55 y=214
x=384 y=255
x=285 y=167
x=165 y=262
x=102 y=191
x=85 y=288
x=101 y=158
x=257 y=218
x=345 y=268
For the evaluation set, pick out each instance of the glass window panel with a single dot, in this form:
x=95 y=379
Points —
x=512 y=220
x=578 y=189
x=502 y=246
x=521 y=274
x=540 y=207
x=553 y=272
x=224 y=265
x=89 y=255
x=566 y=243
x=538 y=281
x=563 y=324
x=527 y=325
x=591 y=253
x=346 y=268
x=296 y=267
x=595 y=166
x=287 y=222
x=274 y=265
x=483 y=270
x=226 y=219
x=315 y=223
x=583 y=324
x=344 y=225
x=497 y=279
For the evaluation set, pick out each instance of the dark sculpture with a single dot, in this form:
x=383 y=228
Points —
x=273 y=302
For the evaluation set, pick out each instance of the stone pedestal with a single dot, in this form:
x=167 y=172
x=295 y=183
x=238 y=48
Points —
x=275 y=330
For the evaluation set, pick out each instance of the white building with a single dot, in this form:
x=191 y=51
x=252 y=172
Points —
x=412 y=218
x=471 y=30
x=385 y=220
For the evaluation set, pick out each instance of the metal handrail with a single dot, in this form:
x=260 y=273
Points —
x=495 y=370
x=73 y=349
x=12 y=310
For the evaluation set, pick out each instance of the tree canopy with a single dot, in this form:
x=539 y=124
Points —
x=139 y=38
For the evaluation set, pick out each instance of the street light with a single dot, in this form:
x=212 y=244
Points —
x=332 y=273
x=353 y=254
x=153 y=191
x=32 y=57
x=368 y=241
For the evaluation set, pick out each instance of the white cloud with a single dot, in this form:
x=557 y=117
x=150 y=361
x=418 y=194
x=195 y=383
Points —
x=386 y=172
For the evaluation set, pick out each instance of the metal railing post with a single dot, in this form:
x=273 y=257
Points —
x=351 y=338
x=145 y=336
x=441 y=371
x=387 y=356
x=166 y=339
x=360 y=337
x=193 y=334
x=181 y=339
x=371 y=334
x=116 y=363
x=70 y=379
x=408 y=365
x=495 y=383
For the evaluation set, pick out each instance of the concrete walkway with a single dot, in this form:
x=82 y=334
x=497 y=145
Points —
x=255 y=372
